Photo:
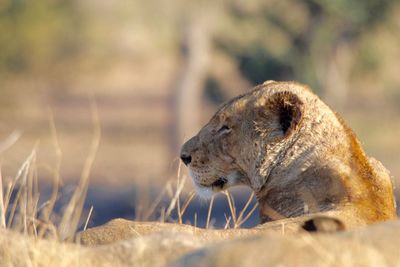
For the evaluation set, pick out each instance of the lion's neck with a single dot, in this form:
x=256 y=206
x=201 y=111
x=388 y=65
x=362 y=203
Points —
x=314 y=188
x=309 y=177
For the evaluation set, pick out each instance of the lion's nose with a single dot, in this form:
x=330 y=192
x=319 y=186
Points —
x=186 y=158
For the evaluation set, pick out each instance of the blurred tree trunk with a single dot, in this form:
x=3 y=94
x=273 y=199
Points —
x=188 y=95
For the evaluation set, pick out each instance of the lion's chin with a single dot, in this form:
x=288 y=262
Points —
x=204 y=192
x=207 y=191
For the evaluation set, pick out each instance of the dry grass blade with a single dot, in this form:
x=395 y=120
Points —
x=240 y=219
x=172 y=191
x=31 y=199
x=154 y=205
x=2 y=207
x=175 y=199
x=232 y=207
x=245 y=206
x=273 y=214
x=178 y=201
x=48 y=209
x=7 y=196
x=135 y=231
x=169 y=189
x=209 y=212
x=248 y=215
x=88 y=218
x=162 y=215
x=4 y=199
x=20 y=179
x=10 y=141
x=187 y=202
x=72 y=213
x=228 y=220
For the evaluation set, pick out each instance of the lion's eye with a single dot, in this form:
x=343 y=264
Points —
x=224 y=129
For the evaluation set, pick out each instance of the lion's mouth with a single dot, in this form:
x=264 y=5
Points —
x=218 y=184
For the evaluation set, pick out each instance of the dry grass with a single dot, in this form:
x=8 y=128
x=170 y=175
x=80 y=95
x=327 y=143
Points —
x=73 y=211
x=178 y=203
x=21 y=211
x=242 y=217
x=19 y=196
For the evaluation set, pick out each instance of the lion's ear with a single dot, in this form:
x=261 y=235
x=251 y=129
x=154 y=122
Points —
x=286 y=110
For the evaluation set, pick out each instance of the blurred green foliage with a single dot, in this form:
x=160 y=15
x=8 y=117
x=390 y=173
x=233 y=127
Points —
x=282 y=39
x=129 y=52
x=269 y=39
x=35 y=35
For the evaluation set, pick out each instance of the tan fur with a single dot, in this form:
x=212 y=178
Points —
x=296 y=154
x=128 y=243
x=121 y=229
x=369 y=246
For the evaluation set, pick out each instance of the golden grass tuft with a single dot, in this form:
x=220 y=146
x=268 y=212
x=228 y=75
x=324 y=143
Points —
x=20 y=210
x=19 y=197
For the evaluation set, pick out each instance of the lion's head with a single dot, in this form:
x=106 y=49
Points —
x=228 y=148
x=293 y=151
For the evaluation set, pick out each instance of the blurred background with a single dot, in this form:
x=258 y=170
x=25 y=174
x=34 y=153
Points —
x=158 y=69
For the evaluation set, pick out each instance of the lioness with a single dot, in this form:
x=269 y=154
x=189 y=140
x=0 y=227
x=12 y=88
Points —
x=296 y=154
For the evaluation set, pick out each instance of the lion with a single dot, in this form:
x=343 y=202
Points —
x=294 y=152
x=306 y=167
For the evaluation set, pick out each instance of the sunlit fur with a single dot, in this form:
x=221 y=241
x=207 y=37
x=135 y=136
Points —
x=296 y=154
